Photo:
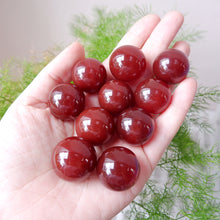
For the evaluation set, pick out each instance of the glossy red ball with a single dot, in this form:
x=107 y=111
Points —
x=153 y=96
x=127 y=63
x=135 y=126
x=118 y=168
x=95 y=125
x=115 y=96
x=66 y=101
x=89 y=75
x=171 y=66
x=73 y=158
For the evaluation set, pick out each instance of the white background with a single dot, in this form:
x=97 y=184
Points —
x=28 y=26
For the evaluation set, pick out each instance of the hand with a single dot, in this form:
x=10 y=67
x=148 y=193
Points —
x=29 y=187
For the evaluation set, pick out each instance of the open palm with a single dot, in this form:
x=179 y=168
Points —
x=29 y=187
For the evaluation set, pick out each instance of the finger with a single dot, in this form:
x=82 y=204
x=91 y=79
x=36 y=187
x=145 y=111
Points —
x=182 y=46
x=162 y=35
x=57 y=71
x=169 y=122
x=140 y=31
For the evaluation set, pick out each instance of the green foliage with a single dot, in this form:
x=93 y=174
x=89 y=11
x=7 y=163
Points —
x=6 y=85
x=16 y=76
x=100 y=36
x=189 y=34
x=204 y=97
x=183 y=184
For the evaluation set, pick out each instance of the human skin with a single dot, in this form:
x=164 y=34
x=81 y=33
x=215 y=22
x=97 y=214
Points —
x=29 y=187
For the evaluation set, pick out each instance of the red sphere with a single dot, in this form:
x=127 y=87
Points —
x=95 y=125
x=171 y=66
x=89 y=75
x=115 y=96
x=118 y=168
x=73 y=158
x=66 y=101
x=127 y=63
x=135 y=126
x=153 y=96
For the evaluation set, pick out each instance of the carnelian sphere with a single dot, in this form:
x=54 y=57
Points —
x=89 y=75
x=118 y=168
x=153 y=96
x=66 y=101
x=73 y=158
x=127 y=63
x=171 y=66
x=95 y=125
x=115 y=96
x=135 y=126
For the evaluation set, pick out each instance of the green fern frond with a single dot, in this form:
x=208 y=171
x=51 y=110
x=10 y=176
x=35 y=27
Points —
x=205 y=96
x=25 y=71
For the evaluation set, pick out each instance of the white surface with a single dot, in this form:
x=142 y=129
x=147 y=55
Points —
x=29 y=25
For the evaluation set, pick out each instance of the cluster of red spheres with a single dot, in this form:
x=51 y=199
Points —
x=122 y=111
